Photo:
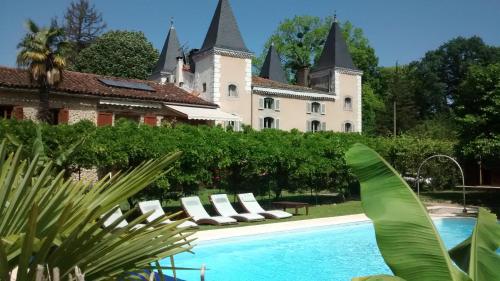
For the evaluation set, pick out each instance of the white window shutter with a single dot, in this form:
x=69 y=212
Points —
x=277 y=104
x=323 y=126
x=308 y=126
x=323 y=109
x=238 y=126
x=277 y=123
x=261 y=122
x=261 y=103
x=309 y=108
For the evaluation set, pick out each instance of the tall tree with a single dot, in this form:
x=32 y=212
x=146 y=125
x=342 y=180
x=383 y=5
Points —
x=82 y=24
x=300 y=42
x=41 y=51
x=119 y=53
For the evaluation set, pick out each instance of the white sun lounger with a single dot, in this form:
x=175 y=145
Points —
x=250 y=204
x=194 y=208
x=155 y=206
x=116 y=215
x=224 y=208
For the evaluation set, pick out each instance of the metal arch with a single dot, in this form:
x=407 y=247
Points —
x=454 y=161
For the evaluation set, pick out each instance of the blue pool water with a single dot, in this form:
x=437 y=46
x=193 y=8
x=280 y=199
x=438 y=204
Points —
x=322 y=254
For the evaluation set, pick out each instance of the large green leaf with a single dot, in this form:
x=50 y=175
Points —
x=406 y=235
x=378 y=278
x=477 y=255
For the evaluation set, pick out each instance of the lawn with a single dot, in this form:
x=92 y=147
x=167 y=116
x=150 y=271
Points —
x=322 y=206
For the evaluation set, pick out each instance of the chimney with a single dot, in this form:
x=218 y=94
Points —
x=179 y=81
x=302 y=76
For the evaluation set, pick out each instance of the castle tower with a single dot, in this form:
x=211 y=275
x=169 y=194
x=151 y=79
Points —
x=336 y=74
x=272 y=68
x=166 y=69
x=223 y=66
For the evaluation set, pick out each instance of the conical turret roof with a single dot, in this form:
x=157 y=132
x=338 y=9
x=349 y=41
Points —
x=335 y=52
x=272 y=68
x=169 y=54
x=224 y=32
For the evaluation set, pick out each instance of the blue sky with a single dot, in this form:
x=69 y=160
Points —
x=398 y=30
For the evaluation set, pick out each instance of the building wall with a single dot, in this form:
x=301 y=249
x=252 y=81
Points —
x=235 y=71
x=293 y=113
x=205 y=74
x=348 y=85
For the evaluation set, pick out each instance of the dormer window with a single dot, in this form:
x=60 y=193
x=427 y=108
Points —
x=233 y=90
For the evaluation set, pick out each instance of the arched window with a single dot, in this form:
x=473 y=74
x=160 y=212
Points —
x=315 y=107
x=269 y=103
x=232 y=90
x=348 y=128
x=315 y=126
x=348 y=104
x=268 y=123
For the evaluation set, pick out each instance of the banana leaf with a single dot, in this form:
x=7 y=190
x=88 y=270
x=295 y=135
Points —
x=378 y=278
x=477 y=255
x=405 y=233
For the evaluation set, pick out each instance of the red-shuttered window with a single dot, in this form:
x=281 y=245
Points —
x=104 y=119
x=150 y=120
x=63 y=116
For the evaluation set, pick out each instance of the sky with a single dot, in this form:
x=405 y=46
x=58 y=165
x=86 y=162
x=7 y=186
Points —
x=399 y=30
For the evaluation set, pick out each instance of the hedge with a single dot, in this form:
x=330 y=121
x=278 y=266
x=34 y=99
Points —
x=253 y=161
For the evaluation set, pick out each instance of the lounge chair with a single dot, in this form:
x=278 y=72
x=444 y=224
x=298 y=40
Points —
x=224 y=208
x=250 y=204
x=116 y=215
x=155 y=206
x=194 y=208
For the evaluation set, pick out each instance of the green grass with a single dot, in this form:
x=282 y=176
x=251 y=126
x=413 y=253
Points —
x=322 y=206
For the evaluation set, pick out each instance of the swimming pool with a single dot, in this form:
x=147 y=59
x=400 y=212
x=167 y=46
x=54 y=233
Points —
x=323 y=254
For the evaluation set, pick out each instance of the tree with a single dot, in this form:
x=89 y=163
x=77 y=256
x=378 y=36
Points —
x=41 y=51
x=125 y=54
x=82 y=24
x=300 y=43
x=478 y=110
x=373 y=108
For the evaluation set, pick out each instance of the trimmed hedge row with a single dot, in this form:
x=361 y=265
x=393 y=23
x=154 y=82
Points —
x=253 y=161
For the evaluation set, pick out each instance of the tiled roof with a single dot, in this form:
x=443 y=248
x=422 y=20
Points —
x=266 y=83
x=335 y=52
x=88 y=84
x=272 y=68
x=169 y=54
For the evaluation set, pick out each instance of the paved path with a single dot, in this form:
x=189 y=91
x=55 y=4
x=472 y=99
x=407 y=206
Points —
x=224 y=233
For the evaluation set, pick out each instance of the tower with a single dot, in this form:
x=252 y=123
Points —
x=223 y=71
x=336 y=74
x=167 y=68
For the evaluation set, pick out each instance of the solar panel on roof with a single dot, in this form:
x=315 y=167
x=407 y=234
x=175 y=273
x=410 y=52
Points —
x=127 y=85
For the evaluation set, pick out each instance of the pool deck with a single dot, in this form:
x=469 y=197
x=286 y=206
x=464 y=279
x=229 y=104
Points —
x=224 y=233
x=437 y=211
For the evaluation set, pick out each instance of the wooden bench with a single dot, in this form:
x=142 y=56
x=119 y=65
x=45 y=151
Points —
x=292 y=205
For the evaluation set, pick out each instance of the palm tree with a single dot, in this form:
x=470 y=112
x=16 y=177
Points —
x=41 y=52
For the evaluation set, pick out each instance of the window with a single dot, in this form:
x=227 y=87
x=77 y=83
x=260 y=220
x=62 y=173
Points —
x=315 y=107
x=348 y=104
x=233 y=90
x=348 y=127
x=269 y=103
x=268 y=123
x=6 y=112
x=315 y=126
x=204 y=87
